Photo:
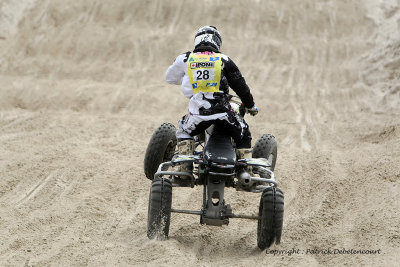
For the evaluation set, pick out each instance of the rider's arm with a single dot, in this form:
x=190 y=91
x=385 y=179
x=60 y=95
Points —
x=176 y=71
x=237 y=82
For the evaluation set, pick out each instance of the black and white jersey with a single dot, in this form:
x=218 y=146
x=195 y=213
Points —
x=230 y=77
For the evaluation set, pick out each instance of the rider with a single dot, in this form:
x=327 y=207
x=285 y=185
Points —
x=205 y=76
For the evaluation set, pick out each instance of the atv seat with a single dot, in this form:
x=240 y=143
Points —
x=219 y=149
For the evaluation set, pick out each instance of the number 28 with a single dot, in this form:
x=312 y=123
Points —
x=203 y=75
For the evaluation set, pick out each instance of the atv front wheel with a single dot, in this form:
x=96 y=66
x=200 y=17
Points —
x=269 y=227
x=159 y=212
x=160 y=149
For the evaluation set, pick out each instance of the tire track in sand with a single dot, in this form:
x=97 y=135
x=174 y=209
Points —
x=33 y=191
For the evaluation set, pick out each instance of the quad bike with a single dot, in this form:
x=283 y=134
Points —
x=215 y=167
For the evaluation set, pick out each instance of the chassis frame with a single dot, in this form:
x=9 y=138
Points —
x=214 y=210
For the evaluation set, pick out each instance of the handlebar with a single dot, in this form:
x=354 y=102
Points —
x=238 y=105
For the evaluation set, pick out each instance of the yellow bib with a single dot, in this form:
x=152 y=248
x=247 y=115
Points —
x=204 y=70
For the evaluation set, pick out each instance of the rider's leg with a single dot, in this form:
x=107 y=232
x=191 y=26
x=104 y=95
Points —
x=243 y=147
x=244 y=153
x=243 y=141
x=186 y=144
x=240 y=132
x=238 y=129
x=186 y=147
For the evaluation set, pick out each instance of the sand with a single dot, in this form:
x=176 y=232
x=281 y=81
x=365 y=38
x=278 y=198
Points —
x=82 y=89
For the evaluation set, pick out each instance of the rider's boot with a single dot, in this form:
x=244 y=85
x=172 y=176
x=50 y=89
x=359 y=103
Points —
x=186 y=147
x=246 y=153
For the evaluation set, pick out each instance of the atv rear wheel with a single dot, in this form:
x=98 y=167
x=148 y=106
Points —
x=269 y=227
x=160 y=149
x=266 y=147
x=159 y=211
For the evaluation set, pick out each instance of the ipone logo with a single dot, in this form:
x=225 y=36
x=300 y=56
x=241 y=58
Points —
x=196 y=65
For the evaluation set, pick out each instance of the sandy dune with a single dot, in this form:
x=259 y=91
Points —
x=82 y=89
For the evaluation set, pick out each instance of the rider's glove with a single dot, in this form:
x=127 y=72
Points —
x=253 y=111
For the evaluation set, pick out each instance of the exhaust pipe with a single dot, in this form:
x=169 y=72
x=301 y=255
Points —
x=245 y=179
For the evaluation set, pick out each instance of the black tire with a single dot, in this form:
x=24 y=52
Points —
x=269 y=227
x=266 y=147
x=159 y=212
x=160 y=149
